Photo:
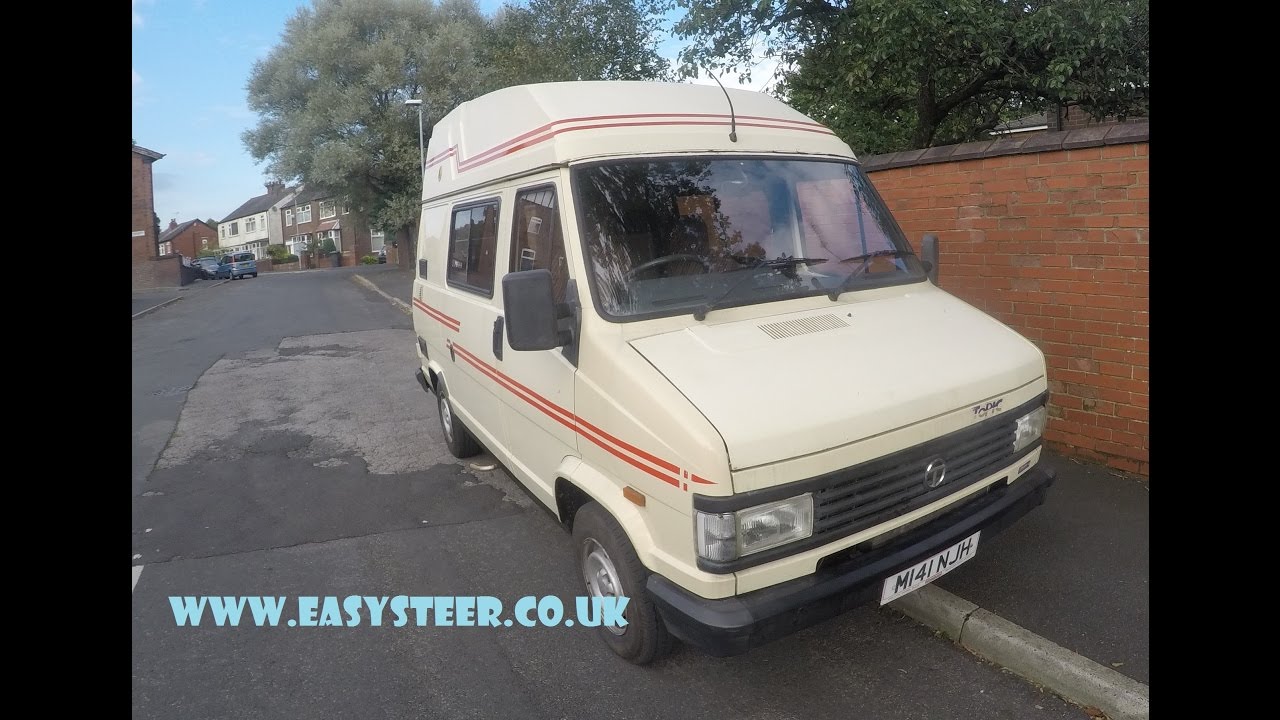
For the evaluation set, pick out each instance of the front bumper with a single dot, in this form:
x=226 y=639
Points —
x=734 y=625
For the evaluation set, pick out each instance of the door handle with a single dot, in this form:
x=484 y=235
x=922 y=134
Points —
x=497 y=337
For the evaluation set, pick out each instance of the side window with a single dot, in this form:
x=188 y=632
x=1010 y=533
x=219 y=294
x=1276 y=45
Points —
x=473 y=244
x=536 y=240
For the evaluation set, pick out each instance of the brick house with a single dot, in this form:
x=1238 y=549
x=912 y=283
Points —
x=149 y=270
x=256 y=223
x=317 y=214
x=1059 y=118
x=187 y=239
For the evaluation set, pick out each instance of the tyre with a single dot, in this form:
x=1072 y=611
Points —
x=610 y=568
x=456 y=436
x=255 y=275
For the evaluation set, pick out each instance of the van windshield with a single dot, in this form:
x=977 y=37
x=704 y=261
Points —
x=667 y=237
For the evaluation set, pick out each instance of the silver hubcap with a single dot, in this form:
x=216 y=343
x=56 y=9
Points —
x=601 y=577
x=446 y=418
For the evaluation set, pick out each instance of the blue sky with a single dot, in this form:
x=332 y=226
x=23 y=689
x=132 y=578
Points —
x=191 y=61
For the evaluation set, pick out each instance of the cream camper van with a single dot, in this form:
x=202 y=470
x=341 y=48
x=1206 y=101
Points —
x=684 y=319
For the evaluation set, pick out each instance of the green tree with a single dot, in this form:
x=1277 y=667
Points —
x=330 y=96
x=897 y=74
x=562 y=40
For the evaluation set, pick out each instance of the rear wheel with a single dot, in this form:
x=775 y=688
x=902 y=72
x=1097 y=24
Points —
x=456 y=435
x=611 y=568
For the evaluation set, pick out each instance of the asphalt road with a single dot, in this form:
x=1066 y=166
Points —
x=281 y=447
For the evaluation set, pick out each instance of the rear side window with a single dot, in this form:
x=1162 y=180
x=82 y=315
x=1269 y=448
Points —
x=536 y=241
x=226 y=260
x=473 y=244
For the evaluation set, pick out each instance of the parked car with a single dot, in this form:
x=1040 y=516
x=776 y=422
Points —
x=382 y=254
x=238 y=265
x=207 y=266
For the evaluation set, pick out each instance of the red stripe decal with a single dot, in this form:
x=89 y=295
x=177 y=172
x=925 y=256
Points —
x=604 y=440
x=550 y=130
x=435 y=314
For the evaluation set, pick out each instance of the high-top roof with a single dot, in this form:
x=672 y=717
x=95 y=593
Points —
x=522 y=128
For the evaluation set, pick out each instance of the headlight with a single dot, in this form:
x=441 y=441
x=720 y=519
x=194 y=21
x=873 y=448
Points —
x=728 y=536
x=1030 y=428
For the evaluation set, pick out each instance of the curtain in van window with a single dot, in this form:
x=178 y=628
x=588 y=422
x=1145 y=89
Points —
x=537 y=242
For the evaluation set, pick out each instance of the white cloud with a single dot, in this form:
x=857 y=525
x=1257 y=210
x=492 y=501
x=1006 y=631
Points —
x=137 y=16
x=137 y=79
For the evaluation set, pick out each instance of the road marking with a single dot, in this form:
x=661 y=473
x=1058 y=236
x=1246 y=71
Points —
x=137 y=573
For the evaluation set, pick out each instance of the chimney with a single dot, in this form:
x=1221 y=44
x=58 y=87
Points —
x=275 y=187
x=172 y=223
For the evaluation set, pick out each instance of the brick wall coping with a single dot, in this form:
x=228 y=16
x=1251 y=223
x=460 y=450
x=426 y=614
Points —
x=1014 y=145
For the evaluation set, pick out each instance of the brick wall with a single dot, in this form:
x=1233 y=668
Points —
x=158 y=272
x=144 y=246
x=1051 y=235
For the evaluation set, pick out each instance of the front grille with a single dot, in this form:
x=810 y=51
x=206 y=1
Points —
x=869 y=494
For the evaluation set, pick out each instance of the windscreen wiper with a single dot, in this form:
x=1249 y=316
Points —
x=783 y=262
x=866 y=262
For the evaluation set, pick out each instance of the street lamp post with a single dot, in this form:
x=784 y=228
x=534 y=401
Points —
x=422 y=161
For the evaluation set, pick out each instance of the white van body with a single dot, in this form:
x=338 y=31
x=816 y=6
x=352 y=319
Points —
x=785 y=379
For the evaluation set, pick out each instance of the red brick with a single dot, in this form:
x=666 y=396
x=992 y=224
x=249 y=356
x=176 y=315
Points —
x=1115 y=396
x=1093 y=153
x=1133 y=413
x=1124 y=370
x=1113 y=423
x=1094 y=431
x=1024 y=160
x=1118 y=343
x=1135 y=453
x=1117 y=151
x=1109 y=354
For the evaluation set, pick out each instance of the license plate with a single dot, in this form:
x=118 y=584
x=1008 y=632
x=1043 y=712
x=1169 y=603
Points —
x=929 y=569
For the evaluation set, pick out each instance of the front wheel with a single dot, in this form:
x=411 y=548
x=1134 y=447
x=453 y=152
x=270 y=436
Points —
x=456 y=436
x=611 y=568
